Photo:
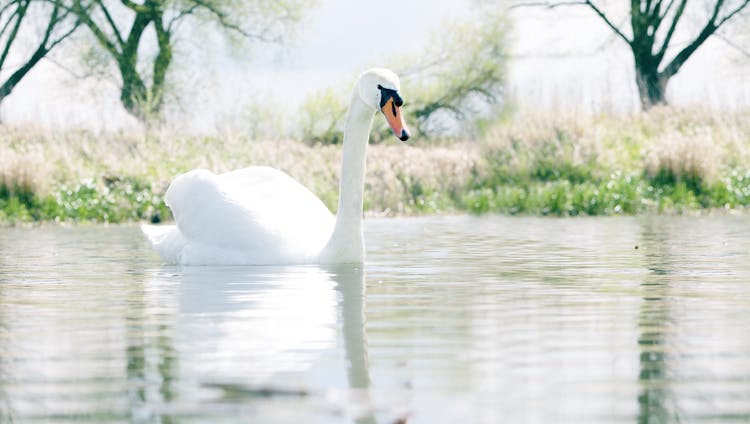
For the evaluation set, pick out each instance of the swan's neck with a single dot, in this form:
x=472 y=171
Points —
x=346 y=243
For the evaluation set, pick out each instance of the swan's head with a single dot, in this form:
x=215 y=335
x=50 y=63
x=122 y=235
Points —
x=378 y=88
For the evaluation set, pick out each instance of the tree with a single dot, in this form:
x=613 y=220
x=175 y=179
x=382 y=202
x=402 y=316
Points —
x=120 y=29
x=653 y=24
x=461 y=78
x=12 y=14
x=458 y=81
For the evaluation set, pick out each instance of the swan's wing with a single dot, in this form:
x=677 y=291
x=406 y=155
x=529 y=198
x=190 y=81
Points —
x=279 y=205
x=255 y=209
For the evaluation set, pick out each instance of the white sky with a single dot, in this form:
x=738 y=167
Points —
x=556 y=65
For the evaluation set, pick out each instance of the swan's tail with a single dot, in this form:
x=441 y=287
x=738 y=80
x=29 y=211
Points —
x=166 y=240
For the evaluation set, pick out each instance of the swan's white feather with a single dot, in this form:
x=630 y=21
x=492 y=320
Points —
x=260 y=215
x=252 y=216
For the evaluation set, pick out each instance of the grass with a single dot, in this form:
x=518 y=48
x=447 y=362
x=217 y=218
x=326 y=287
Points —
x=664 y=161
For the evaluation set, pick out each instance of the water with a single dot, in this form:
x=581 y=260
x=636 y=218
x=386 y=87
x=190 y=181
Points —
x=453 y=319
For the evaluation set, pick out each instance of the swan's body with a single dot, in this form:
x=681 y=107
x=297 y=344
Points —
x=255 y=215
x=260 y=215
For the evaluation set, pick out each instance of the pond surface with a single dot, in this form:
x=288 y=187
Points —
x=452 y=319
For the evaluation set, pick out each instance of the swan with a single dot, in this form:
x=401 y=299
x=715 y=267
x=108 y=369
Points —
x=261 y=216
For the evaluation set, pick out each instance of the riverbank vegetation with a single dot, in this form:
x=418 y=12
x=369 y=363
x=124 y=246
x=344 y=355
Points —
x=664 y=161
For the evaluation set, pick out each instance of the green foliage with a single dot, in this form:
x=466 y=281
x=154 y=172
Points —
x=560 y=166
x=244 y=22
x=88 y=200
x=550 y=153
x=423 y=198
x=615 y=195
x=457 y=86
x=265 y=120
x=732 y=191
x=618 y=194
x=321 y=117
x=143 y=78
x=665 y=162
x=461 y=78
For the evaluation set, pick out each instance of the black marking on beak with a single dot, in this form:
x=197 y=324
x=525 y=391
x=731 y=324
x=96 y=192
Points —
x=387 y=93
x=404 y=135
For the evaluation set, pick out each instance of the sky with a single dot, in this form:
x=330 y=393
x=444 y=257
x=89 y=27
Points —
x=335 y=42
x=560 y=59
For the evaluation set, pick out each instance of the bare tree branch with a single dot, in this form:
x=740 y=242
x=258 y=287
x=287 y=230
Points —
x=111 y=21
x=744 y=51
x=19 y=15
x=7 y=6
x=709 y=29
x=547 y=4
x=606 y=20
x=64 y=35
x=135 y=7
x=732 y=13
x=670 y=31
x=181 y=14
x=47 y=43
x=85 y=17
x=7 y=24
x=556 y=4
x=646 y=19
x=715 y=14
x=666 y=11
x=225 y=22
x=655 y=16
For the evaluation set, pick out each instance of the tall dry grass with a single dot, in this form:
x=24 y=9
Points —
x=680 y=143
x=398 y=174
x=538 y=159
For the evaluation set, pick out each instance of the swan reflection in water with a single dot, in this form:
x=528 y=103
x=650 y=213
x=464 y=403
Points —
x=251 y=333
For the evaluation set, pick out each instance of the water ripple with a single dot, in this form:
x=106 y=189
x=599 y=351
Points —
x=453 y=319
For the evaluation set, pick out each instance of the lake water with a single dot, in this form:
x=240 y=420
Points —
x=451 y=320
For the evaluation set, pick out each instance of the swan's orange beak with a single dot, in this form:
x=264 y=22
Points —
x=395 y=119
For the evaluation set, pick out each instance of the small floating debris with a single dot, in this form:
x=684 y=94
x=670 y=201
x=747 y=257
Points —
x=239 y=390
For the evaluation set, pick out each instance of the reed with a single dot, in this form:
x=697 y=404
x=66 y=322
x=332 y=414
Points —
x=667 y=160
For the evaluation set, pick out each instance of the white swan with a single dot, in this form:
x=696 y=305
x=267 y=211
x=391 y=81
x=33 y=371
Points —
x=260 y=215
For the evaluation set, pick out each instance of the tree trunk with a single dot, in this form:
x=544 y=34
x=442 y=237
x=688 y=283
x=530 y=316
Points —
x=652 y=87
x=133 y=95
x=141 y=101
x=162 y=61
